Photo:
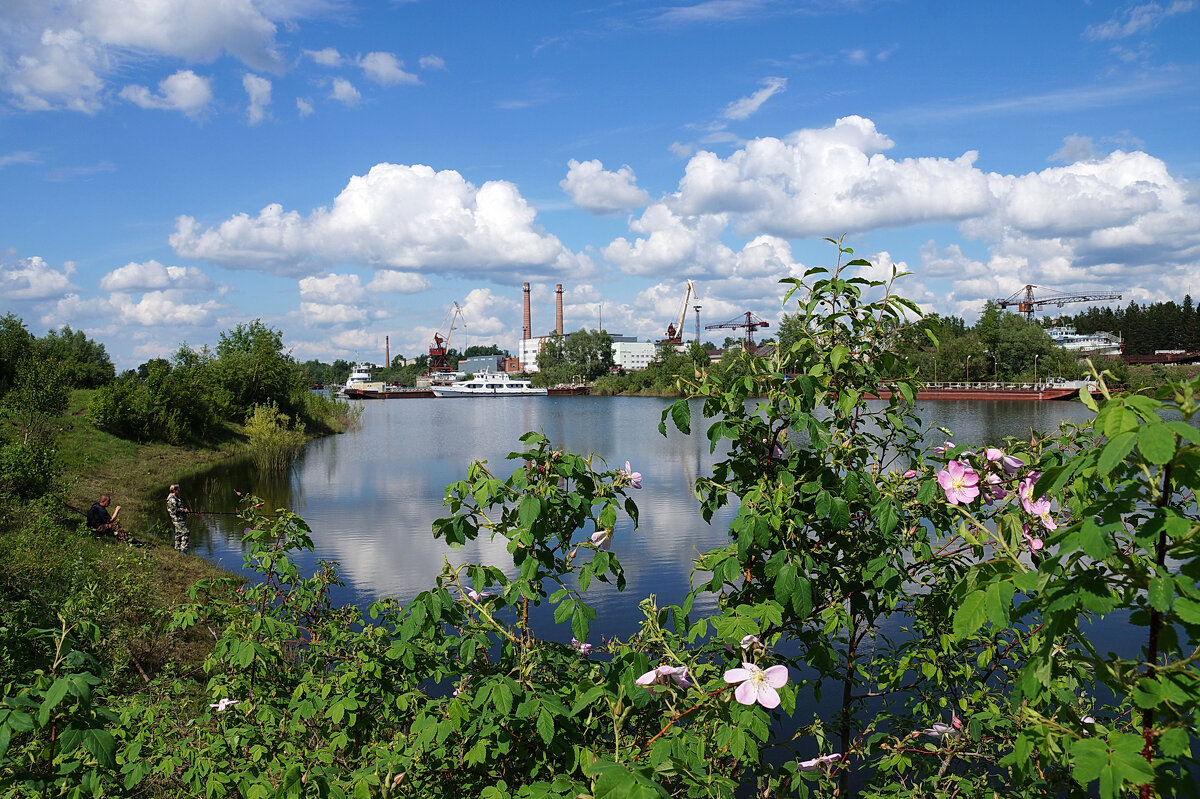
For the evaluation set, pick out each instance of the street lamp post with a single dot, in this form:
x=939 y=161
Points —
x=1035 y=357
x=997 y=364
x=968 y=368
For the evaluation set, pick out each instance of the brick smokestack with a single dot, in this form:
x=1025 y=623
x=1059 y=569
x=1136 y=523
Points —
x=558 y=325
x=527 y=330
x=387 y=352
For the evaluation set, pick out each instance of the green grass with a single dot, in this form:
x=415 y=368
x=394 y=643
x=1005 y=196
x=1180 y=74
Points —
x=51 y=564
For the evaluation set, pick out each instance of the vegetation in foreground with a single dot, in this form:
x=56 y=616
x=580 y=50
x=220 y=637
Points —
x=943 y=597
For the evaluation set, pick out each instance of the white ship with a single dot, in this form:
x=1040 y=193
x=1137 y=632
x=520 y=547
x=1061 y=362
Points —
x=359 y=380
x=489 y=384
x=1098 y=343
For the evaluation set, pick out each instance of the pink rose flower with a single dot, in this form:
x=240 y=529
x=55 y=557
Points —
x=959 y=481
x=759 y=685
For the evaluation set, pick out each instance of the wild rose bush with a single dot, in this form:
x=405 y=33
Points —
x=891 y=620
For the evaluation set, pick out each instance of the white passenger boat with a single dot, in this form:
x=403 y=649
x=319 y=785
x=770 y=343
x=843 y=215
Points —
x=359 y=380
x=489 y=384
x=1098 y=343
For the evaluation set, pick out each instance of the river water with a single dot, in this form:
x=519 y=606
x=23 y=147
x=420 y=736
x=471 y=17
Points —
x=372 y=494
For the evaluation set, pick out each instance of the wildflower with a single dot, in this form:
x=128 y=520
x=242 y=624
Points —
x=582 y=647
x=603 y=538
x=994 y=490
x=959 y=481
x=664 y=675
x=1011 y=463
x=942 y=450
x=817 y=762
x=910 y=474
x=1039 y=507
x=757 y=684
x=750 y=642
x=478 y=596
x=635 y=478
x=224 y=704
x=942 y=731
x=1034 y=543
x=993 y=454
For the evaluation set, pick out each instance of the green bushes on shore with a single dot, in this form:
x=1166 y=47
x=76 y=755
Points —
x=942 y=598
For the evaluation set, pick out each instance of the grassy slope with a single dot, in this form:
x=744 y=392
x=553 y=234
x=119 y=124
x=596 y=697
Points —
x=49 y=556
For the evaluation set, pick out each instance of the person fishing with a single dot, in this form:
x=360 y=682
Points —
x=178 y=512
x=101 y=522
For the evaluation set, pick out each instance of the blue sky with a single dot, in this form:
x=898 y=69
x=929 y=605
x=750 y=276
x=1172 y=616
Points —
x=348 y=170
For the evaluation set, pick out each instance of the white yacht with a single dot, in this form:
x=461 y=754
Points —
x=359 y=379
x=1098 y=343
x=490 y=384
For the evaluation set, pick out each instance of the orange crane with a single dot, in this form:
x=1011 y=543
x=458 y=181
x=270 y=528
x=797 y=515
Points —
x=675 y=329
x=1025 y=302
x=437 y=353
x=749 y=322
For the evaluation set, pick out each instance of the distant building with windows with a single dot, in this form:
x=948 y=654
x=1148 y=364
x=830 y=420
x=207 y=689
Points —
x=632 y=355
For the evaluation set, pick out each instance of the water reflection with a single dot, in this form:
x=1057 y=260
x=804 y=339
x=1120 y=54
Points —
x=372 y=495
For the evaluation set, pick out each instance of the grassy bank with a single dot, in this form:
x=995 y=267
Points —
x=51 y=565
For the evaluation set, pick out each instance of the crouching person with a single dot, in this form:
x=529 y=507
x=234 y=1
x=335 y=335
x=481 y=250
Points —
x=101 y=521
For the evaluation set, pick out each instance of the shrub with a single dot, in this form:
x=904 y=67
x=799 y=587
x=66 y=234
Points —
x=273 y=444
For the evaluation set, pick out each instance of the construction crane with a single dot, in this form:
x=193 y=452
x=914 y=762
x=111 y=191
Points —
x=748 y=321
x=1025 y=302
x=437 y=353
x=675 y=329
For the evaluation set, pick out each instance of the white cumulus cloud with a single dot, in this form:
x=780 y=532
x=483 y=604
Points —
x=153 y=275
x=385 y=69
x=184 y=91
x=408 y=218
x=258 y=90
x=332 y=289
x=34 y=279
x=391 y=281
x=344 y=92
x=61 y=54
x=328 y=57
x=595 y=189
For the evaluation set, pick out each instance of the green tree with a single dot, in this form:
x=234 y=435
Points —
x=251 y=368
x=85 y=362
x=589 y=353
x=16 y=344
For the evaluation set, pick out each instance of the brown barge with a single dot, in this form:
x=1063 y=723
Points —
x=993 y=391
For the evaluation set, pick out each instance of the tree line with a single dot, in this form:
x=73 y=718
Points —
x=1145 y=328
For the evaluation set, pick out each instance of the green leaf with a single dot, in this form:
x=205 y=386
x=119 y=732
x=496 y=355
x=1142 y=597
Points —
x=1156 y=442
x=530 y=510
x=971 y=614
x=1114 y=452
x=839 y=514
x=102 y=746
x=615 y=781
x=1188 y=610
x=681 y=415
x=1160 y=592
x=545 y=726
x=53 y=696
x=838 y=355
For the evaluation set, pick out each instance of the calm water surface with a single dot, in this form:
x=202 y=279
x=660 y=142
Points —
x=371 y=495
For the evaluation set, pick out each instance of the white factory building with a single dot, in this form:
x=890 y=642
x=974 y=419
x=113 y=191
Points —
x=628 y=353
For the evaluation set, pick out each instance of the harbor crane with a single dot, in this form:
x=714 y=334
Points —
x=1026 y=303
x=748 y=321
x=675 y=329
x=437 y=353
